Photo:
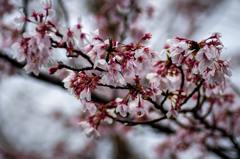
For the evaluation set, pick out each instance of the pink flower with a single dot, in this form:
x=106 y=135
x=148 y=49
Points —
x=172 y=112
x=85 y=94
x=206 y=57
x=20 y=50
x=77 y=32
x=142 y=60
x=122 y=108
x=47 y=5
x=128 y=64
x=87 y=105
x=179 y=53
x=68 y=81
x=169 y=45
x=113 y=77
x=225 y=66
x=33 y=67
x=97 y=52
x=214 y=77
x=163 y=83
x=20 y=20
x=140 y=110
x=155 y=90
x=36 y=50
x=89 y=130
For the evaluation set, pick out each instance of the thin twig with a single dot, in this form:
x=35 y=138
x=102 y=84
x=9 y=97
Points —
x=194 y=91
x=133 y=123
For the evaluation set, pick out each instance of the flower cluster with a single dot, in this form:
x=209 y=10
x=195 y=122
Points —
x=200 y=58
x=145 y=82
x=35 y=47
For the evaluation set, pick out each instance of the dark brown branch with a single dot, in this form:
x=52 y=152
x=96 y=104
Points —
x=198 y=106
x=61 y=65
x=194 y=91
x=25 y=10
x=152 y=123
x=133 y=123
x=47 y=78
x=113 y=87
x=218 y=151
x=157 y=106
x=209 y=111
x=222 y=130
x=183 y=78
x=79 y=52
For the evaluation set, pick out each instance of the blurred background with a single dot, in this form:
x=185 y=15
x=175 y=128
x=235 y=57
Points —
x=39 y=119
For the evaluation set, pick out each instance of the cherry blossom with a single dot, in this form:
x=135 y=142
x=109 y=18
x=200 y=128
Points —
x=68 y=80
x=185 y=70
x=123 y=108
x=85 y=94
x=141 y=108
x=206 y=57
x=172 y=112
x=179 y=53
x=113 y=76
x=36 y=51
x=89 y=130
x=48 y=6
x=87 y=105
x=20 y=20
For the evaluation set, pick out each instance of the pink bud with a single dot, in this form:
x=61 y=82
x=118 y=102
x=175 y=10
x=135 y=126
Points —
x=52 y=70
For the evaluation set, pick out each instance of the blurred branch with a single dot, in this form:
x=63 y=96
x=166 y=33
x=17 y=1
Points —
x=46 y=78
x=152 y=123
x=25 y=10
x=65 y=12
x=218 y=151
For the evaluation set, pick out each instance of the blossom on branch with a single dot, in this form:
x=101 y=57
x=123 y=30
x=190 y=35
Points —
x=88 y=105
x=89 y=130
x=36 y=49
x=123 y=108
